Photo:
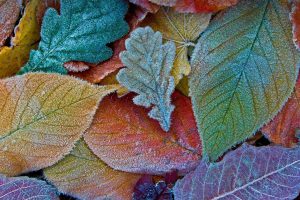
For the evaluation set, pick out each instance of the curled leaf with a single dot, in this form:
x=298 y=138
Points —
x=41 y=117
x=126 y=139
x=83 y=175
x=249 y=172
x=242 y=76
x=148 y=65
x=81 y=32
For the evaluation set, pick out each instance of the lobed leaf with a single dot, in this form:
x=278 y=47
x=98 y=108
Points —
x=23 y=188
x=81 y=32
x=148 y=64
x=269 y=172
x=244 y=70
x=41 y=117
x=124 y=137
x=83 y=175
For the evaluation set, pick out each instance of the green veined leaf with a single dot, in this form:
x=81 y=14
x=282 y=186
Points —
x=244 y=69
x=80 y=32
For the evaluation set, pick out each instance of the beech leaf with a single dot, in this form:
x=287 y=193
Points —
x=269 y=172
x=41 y=117
x=148 y=64
x=83 y=175
x=124 y=137
x=24 y=188
x=282 y=129
x=183 y=30
x=80 y=32
x=244 y=70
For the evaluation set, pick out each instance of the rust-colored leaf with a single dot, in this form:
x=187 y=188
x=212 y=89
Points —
x=124 y=137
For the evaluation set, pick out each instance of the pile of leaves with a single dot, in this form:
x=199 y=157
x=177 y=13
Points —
x=149 y=99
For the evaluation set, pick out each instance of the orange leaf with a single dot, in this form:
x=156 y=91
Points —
x=41 y=117
x=9 y=13
x=83 y=175
x=124 y=137
x=282 y=129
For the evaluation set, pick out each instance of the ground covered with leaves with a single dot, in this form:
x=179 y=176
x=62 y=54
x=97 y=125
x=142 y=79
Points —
x=149 y=99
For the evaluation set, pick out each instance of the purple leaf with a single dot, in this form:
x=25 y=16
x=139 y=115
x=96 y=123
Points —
x=20 y=188
x=249 y=172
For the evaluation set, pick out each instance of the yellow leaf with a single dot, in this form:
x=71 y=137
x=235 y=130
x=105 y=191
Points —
x=27 y=35
x=183 y=86
x=41 y=117
x=181 y=28
x=83 y=175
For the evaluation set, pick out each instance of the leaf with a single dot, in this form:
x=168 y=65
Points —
x=9 y=14
x=80 y=32
x=100 y=71
x=41 y=117
x=76 y=66
x=44 y=5
x=269 y=172
x=198 y=6
x=242 y=76
x=183 y=30
x=27 y=34
x=146 y=5
x=124 y=137
x=282 y=129
x=83 y=175
x=148 y=64
x=23 y=188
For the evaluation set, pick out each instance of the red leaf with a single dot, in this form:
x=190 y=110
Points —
x=20 y=188
x=295 y=18
x=270 y=172
x=282 y=129
x=124 y=137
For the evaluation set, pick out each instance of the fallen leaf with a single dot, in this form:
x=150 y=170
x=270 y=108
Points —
x=24 y=188
x=76 y=67
x=124 y=137
x=41 y=117
x=81 y=32
x=242 y=76
x=146 y=5
x=183 y=86
x=9 y=14
x=148 y=65
x=164 y=2
x=27 y=34
x=183 y=30
x=83 y=175
x=44 y=5
x=270 y=172
x=282 y=129
x=97 y=72
x=198 y=6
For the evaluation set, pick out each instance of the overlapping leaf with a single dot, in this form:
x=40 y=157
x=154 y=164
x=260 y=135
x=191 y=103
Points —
x=247 y=173
x=283 y=128
x=244 y=69
x=183 y=30
x=125 y=138
x=146 y=5
x=295 y=18
x=24 y=188
x=26 y=37
x=41 y=117
x=9 y=13
x=83 y=175
x=148 y=65
x=80 y=32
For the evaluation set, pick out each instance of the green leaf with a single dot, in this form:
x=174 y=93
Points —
x=244 y=69
x=149 y=63
x=80 y=32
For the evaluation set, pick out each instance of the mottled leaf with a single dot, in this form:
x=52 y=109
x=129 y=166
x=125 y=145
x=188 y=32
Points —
x=183 y=30
x=41 y=117
x=83 y=175
x=148 y=64
x=24 y=188
x=282 y=129
x=249 y=172
x=244 y=70
x=146 y=5
x=80 y=32
x=27 y=34
x=9 y=14
x=125 y=138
